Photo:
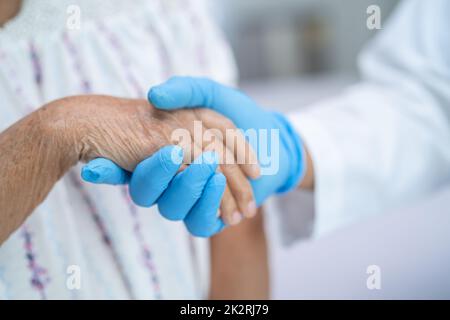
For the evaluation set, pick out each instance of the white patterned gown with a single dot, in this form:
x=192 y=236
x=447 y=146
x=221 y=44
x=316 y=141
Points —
x=52 y=49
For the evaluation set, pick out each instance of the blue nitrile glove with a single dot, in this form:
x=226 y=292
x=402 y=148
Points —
x=192 y=195
x=186 y=92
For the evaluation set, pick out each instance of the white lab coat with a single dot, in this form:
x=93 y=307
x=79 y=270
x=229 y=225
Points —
x=385 y=142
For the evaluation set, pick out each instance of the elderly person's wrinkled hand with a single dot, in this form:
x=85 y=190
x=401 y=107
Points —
x=121 y=135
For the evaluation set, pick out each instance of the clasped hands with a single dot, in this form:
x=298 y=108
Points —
x=204 y=178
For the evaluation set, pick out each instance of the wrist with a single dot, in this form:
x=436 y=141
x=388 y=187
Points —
x=292 y=153
x=59 y=128
x=307 y=182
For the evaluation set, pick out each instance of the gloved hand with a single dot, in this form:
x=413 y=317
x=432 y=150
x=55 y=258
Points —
x=192 y=195
x=286 y=150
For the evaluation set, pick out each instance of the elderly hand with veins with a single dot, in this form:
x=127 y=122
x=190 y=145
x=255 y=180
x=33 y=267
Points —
x=46 y=143
x=181 y=180
x=294 y=167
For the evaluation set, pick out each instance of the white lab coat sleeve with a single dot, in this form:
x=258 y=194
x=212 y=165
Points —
x=385 y=142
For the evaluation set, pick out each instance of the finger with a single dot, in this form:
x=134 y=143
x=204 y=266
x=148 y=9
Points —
x=152 y=176
x=237 y=182
x=184 y=92
x=228 y=209
x=180 y=92
x=185 y=140
x=233 y=139
x=104 y=171
x=187 y=187
x=202 y=220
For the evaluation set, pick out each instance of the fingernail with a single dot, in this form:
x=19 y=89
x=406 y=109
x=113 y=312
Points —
x=155 y=92
x=158 y=95
x=252 y=209
x=235 y=218
x=90 y=174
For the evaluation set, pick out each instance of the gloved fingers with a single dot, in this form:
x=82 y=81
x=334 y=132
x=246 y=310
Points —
x=225 y=131
x=104 y=171
x=178 y=92
x=187 y=187
x=202 y=220
x=183 y=92
x=152 y=176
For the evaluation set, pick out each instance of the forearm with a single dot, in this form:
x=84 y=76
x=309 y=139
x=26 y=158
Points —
x=34 y=156
x=239 y=262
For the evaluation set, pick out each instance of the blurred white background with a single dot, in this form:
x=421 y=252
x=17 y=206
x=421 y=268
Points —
x=290 y=38
x=294 y=52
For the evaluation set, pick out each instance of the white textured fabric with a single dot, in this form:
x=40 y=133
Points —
x=385 y=142
x=121 y=49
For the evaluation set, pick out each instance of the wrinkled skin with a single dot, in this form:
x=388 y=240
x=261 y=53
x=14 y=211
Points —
x=44 y=145
x=127 y=131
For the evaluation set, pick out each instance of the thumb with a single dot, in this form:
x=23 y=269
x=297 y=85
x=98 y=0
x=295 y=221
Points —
x=181 y=92
x=190 y=92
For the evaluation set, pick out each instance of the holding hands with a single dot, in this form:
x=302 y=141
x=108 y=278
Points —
x=119 y=135
x=195 y=193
